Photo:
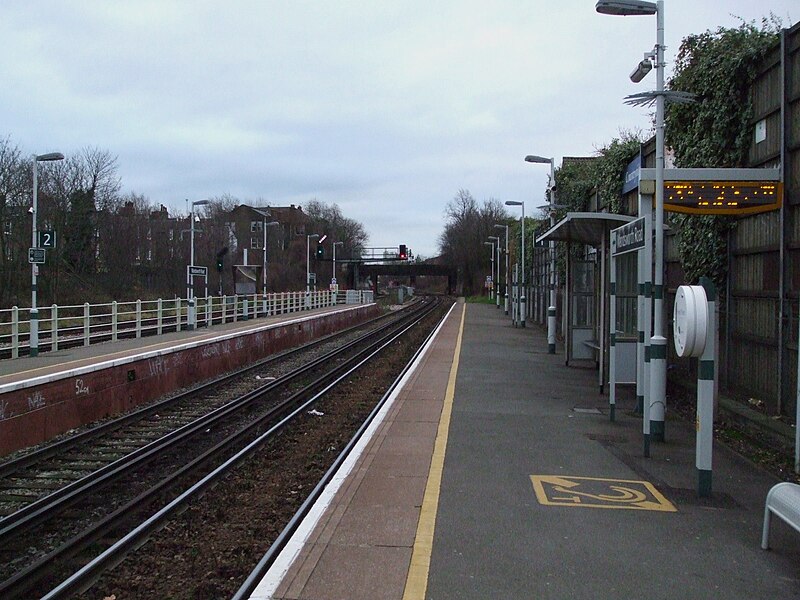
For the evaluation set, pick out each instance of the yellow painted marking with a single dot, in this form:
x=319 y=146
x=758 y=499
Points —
x=593 y=492
x=417 y=580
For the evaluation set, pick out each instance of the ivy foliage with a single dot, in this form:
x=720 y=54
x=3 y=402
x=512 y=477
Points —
x=719 y=67
x=576 y=180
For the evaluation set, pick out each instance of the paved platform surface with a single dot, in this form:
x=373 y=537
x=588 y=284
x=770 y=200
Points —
x=504 y=478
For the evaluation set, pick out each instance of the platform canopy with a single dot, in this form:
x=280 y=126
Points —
x=584 y=227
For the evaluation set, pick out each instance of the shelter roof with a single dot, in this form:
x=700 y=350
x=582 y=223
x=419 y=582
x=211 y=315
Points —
x=585 y=227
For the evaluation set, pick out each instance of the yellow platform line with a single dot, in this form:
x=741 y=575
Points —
x=417 y=581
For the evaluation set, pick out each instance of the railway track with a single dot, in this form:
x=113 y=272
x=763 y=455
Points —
x=88 y=493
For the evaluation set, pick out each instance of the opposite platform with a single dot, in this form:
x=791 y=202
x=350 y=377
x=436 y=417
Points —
x=47 y=395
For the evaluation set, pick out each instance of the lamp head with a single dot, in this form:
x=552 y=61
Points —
x=49 y=157
x=532 y=158
x=641 y=70
x=626 y=8
x=514 y=203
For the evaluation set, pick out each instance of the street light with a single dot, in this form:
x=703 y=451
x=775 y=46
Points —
x=333 y=278
x=308 y=265
x=505 y=227
x=189 y=275
x=522 y=292
x=491 y=289
x=33 y=342
x=189 y=279
x=495 y=287
x=551 y=310
x=658 y=343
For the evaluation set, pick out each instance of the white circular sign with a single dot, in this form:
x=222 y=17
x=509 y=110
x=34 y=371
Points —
x=690 y=321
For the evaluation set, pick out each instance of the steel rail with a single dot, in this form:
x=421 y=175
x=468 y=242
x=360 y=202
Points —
x=28 y=459
x=42 y=509
x=24 y=580
x=257 y=574
x=89 y=573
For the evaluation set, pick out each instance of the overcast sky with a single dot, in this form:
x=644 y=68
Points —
x=384 y=108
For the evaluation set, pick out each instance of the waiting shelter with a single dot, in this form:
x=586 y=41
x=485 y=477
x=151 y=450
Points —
x=586 y=296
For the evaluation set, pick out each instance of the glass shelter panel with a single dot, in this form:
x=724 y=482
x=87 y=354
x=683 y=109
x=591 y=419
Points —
x=583 y=300
x=627 y=295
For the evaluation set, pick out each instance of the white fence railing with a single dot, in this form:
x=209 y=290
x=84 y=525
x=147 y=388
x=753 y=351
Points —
x=92 y=323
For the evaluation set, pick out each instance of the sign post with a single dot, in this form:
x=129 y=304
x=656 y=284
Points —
x=695 y=335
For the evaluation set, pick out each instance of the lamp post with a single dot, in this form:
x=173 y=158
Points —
x=33 y=342
x=495 y=282
x=189 y=282
x=333 y=277
x=491 y=289
x=522 y=289
x=505 y=227
x=192 y=317
x=658 y=343
x=551 y=310
x=308 y=266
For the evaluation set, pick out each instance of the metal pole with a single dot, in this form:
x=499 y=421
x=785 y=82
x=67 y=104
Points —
x=33 y=340
x=264 y=261
x=506 y=294
x=308 y=266
x=34 y=312
x=492 y=266
x=189 y=290
x=705 y=394
x=612 y=330
x=522 y=292
x=551 y=310
x=497 y=283
x=658 y=344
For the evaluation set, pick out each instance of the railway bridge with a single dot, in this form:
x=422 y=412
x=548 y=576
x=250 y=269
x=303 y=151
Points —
x=405 y=269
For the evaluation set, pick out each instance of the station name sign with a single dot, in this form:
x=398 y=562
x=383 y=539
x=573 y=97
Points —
x=717 y=191
x=628 y=237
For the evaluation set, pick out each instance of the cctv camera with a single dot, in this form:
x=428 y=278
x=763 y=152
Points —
x=30 y=210
x=642 y=69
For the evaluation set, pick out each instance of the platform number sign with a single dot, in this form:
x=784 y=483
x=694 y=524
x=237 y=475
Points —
x=47 y=238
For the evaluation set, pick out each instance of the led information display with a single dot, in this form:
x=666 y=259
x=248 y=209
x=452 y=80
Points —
x=722 y=197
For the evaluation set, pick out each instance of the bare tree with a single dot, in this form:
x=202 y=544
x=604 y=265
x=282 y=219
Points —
x=467 y=226
x=15 y=190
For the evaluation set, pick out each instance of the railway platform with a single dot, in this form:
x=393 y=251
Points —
x=497 y=473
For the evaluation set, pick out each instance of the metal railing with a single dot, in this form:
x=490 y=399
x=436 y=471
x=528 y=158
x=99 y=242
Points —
x=86 y=324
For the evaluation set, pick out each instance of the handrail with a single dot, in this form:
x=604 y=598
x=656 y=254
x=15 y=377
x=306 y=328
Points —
x=86 y=324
